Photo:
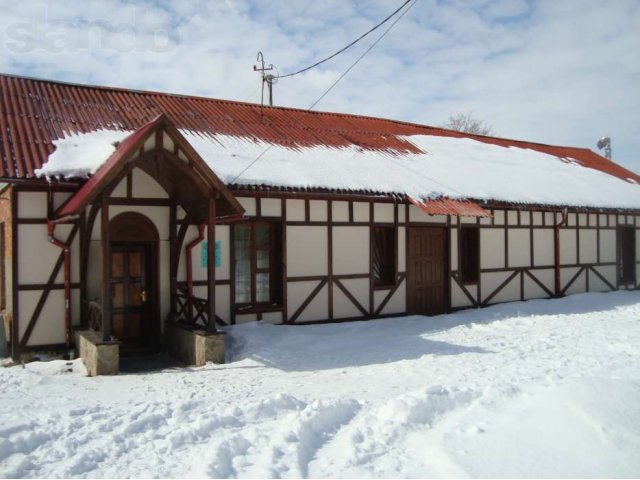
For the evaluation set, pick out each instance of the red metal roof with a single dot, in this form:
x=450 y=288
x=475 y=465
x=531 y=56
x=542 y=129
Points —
x=37 y=112
x=448 y=206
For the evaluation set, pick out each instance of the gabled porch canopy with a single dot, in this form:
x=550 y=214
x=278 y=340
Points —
x=186 y=178
x=161 y=151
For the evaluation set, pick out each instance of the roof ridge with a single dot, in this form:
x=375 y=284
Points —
x=280 y=107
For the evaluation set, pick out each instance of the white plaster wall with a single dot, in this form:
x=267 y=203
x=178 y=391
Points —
x=512 y=217
x=37 y=256
x=145 y=186
x=533 y=290
x=492 y=248
x=597 y=285
x=579 y=286
x=249 y=205
x=537 y=218
x=272 y=317
x=396 y=304
x=519 y=247
x=608 y=246
x=383 y=212
x=402 y=249
x=59 y=198
x=340 y=211
x=295 y=210
x=32 y=205
x=223 y=302
x=342 y=306
x=307 y=251
x=510 y=292
x=582 y=219
x=121 y=189
x=550 y=218
x=298 y=293
x=360 y=212
x=453 y=247
x=588 y=246
x=568 y=246
x=318 y=210
x=458 y=298
x=543 y=246
x=199 y=272
x=401 y=212
x=350 y=250
x=271 y=207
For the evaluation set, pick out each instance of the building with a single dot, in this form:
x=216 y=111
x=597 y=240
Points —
x=143 y=215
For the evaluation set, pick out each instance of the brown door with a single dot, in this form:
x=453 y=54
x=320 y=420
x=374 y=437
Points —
x=130 y=294
x=427 y=271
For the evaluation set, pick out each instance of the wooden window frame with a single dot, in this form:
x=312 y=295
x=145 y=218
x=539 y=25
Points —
x=390 y=242
x=626 y=263
x=276 y=250
x=468 y=274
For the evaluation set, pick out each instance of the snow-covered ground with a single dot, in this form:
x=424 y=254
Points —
x=541 y=388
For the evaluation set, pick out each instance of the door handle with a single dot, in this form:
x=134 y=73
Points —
x=143 y=296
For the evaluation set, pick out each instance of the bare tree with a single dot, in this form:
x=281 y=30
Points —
x=465 y=122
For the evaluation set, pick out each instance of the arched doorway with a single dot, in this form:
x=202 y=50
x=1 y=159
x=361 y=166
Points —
x=134 y=282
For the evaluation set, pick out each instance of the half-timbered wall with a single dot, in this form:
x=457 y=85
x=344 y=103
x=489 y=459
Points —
x=327 y=257
x=38 y=301
x=326 y=250
x=517 y=256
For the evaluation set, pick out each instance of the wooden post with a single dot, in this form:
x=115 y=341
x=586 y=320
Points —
x=211 y=264
x=173 y=264
x=106 y=269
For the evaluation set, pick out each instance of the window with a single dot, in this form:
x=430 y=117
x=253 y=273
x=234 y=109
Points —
x=469 y=254
x=384 y=256
x=626 y=254
x=258 y=264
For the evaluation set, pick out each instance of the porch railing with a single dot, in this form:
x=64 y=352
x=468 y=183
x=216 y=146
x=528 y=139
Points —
x=193 y=310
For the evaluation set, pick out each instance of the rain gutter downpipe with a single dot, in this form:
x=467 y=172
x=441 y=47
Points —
x=556 y=252
x=51 y=225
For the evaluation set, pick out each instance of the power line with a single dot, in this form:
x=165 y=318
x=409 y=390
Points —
x=363 y=55
x=335 y=83
x=348 y=46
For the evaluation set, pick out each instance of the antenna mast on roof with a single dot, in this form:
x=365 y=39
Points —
x=267 y=78
x=605 y=143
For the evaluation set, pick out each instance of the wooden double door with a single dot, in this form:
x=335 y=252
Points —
x=427 y=271
x=132 y=297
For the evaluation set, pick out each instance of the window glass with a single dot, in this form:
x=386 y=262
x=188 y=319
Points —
x=384 y=247
x=262 y=287
x=627 y=254
x=258 y=259
x=262 y=234
x=469 y=254
x=242 y=247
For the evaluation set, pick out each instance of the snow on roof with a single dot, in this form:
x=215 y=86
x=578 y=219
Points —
x=448 y=166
